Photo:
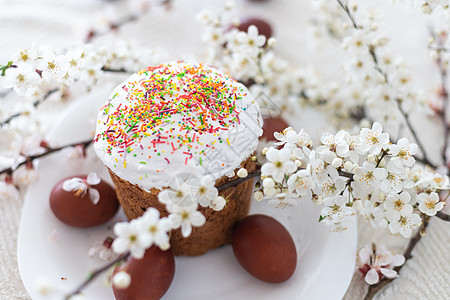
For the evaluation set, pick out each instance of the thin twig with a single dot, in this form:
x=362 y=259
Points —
x=374 y=289
x=349 y=14
x=93 y=274
x=414 y=133
x=47 y=152
x=36 y=104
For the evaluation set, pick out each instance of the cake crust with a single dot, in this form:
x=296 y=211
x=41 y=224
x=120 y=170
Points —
x=218 y=226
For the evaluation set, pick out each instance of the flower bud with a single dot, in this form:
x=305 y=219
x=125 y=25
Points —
x=242 y=172
x=258 y=195
x=268 y=183
x=371 y=158
x=121 y=280
x=298 y=163
x=348 y=165
x=254 y=158
x=271 y=42
x=357 y=204
x=264 y=151
x=337 y=162
x=269 y=191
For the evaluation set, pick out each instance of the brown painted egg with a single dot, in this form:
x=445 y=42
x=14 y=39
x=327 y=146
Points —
x=271 y=125
x=264 y=248
x=77 y=203
x=263 y=27
x=151 y=276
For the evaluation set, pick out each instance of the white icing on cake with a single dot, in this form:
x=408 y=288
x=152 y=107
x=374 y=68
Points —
x=175 y=118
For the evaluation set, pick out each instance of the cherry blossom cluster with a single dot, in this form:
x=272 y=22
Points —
x=250 y=57
x=373 y=75
x=34 y=71
x=377 y=263
x=428 y=6
x=361 y=174
x=182 y=198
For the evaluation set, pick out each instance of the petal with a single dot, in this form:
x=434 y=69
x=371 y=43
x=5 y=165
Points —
x=120 y=245
x=137 y=251
x=284 y=155
x=122 y=228
x=406 y=210
x=278 y=175
x=197 y=219
x=186 y=229
x=397 y=260
x=377 y=128
x=73 y=184
x=93 y=179
x=252 y=31
x=290 y=167
x=267 y=168
x=272 y=154
x=364 y=254
x=94 y=195
x=389 y=273
x=372 y=277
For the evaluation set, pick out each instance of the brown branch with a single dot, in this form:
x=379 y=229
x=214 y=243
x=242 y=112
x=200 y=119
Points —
x=36 y=104
x=93 y=274
x=47 y=152
x=374 y=289
x=237 y=181
x=443 y=216
x=121 y=70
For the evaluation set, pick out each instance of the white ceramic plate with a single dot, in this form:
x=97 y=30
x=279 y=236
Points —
x=49 y=248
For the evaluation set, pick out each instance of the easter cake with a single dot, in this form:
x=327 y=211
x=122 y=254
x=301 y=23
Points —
x=180 y=118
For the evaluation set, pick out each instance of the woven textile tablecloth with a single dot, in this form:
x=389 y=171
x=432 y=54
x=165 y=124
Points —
x=58 y=23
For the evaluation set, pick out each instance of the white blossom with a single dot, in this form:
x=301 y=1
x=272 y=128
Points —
x=369 y=176
x=373 y=140
x=378 y=263
x=83 y=186
x=23 y=79
x=399 y=204
x=394 y=177
x=204 y=190
x=153 y=230
x=430 y=204
x=185 y=217
x=279 y=164
x=335 y=209
x=404 y=150
x=403 y=224
x=301 y=183
x=129 y=237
